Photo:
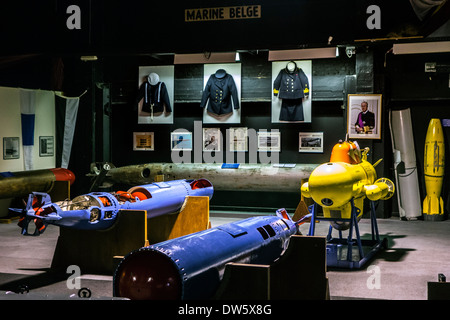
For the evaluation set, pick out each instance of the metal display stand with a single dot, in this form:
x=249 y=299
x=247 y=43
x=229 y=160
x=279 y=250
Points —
x=350 y=252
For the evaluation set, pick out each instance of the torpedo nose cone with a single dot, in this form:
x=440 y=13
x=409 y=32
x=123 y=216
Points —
x=147 y=275
x=62 y=174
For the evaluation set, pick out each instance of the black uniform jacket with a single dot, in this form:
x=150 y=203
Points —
x=220 y=90
x=367 y=119
x=155 y=97
x=291 y=85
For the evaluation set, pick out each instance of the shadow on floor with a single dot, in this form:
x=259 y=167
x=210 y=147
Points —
x=18 y=282
x=387 y=253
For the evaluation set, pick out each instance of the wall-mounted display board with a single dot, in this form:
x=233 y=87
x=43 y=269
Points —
x=11 y=148
x=155 y=96
x=238 y=139
x=212 y=139
x=46 y=146
x=221 y=98
x=364 y=116
x=181 y=140
x=291 y=101
x=310 y=142
x=143 y=141
x=269 y=141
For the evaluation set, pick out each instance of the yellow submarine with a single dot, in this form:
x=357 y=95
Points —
x=348 y=176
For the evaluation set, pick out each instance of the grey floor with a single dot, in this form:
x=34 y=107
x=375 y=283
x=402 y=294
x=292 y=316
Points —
x=417 y=252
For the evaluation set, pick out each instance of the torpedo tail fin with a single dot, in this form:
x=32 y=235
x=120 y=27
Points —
x=433 y=205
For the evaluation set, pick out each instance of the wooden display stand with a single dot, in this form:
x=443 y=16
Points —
x=299 y=274
x=98 y=251
x=193 y=217
x=93 y=251
x=60 y=191
x=438 y=290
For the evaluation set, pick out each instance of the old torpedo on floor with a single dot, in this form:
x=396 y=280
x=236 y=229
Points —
x=192 y=266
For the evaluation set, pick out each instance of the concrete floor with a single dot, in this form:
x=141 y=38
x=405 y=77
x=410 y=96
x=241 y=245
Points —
x=417 y=252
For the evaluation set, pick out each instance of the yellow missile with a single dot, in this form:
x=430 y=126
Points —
x=434 y=161
x=333 y=185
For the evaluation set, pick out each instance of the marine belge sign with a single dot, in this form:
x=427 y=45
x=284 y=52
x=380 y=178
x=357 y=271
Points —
x=222 y=13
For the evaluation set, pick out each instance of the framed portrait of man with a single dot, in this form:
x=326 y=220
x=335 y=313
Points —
x=364 y=116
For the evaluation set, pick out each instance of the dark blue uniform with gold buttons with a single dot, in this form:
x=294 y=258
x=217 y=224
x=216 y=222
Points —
x=291 y=87
x=220 y=93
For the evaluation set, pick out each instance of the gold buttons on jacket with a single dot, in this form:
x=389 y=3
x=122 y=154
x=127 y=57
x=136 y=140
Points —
x=219 y=94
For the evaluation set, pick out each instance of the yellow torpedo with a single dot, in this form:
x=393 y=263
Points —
x=433 y=205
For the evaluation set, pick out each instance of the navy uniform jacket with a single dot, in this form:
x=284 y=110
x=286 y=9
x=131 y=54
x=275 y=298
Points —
x=291 y=85
x=365 y=119
x=154 y=96
x=220 y=90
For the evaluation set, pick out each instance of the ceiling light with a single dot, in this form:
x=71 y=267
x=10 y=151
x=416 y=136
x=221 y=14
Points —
x=88 y=58
x=208 y=57
x=302 y=54
x=421 y=47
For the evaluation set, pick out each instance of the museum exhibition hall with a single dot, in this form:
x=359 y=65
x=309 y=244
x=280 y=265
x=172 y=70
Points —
x=219 y=153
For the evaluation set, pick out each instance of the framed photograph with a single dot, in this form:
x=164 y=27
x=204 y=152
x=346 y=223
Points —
x=238 y=139
x=269 y=141
x=11 y=148
x=211 y=139
x=181 y=141
x=143 y=141
x=310 y=142
x=364 y=116
x=46 y=146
